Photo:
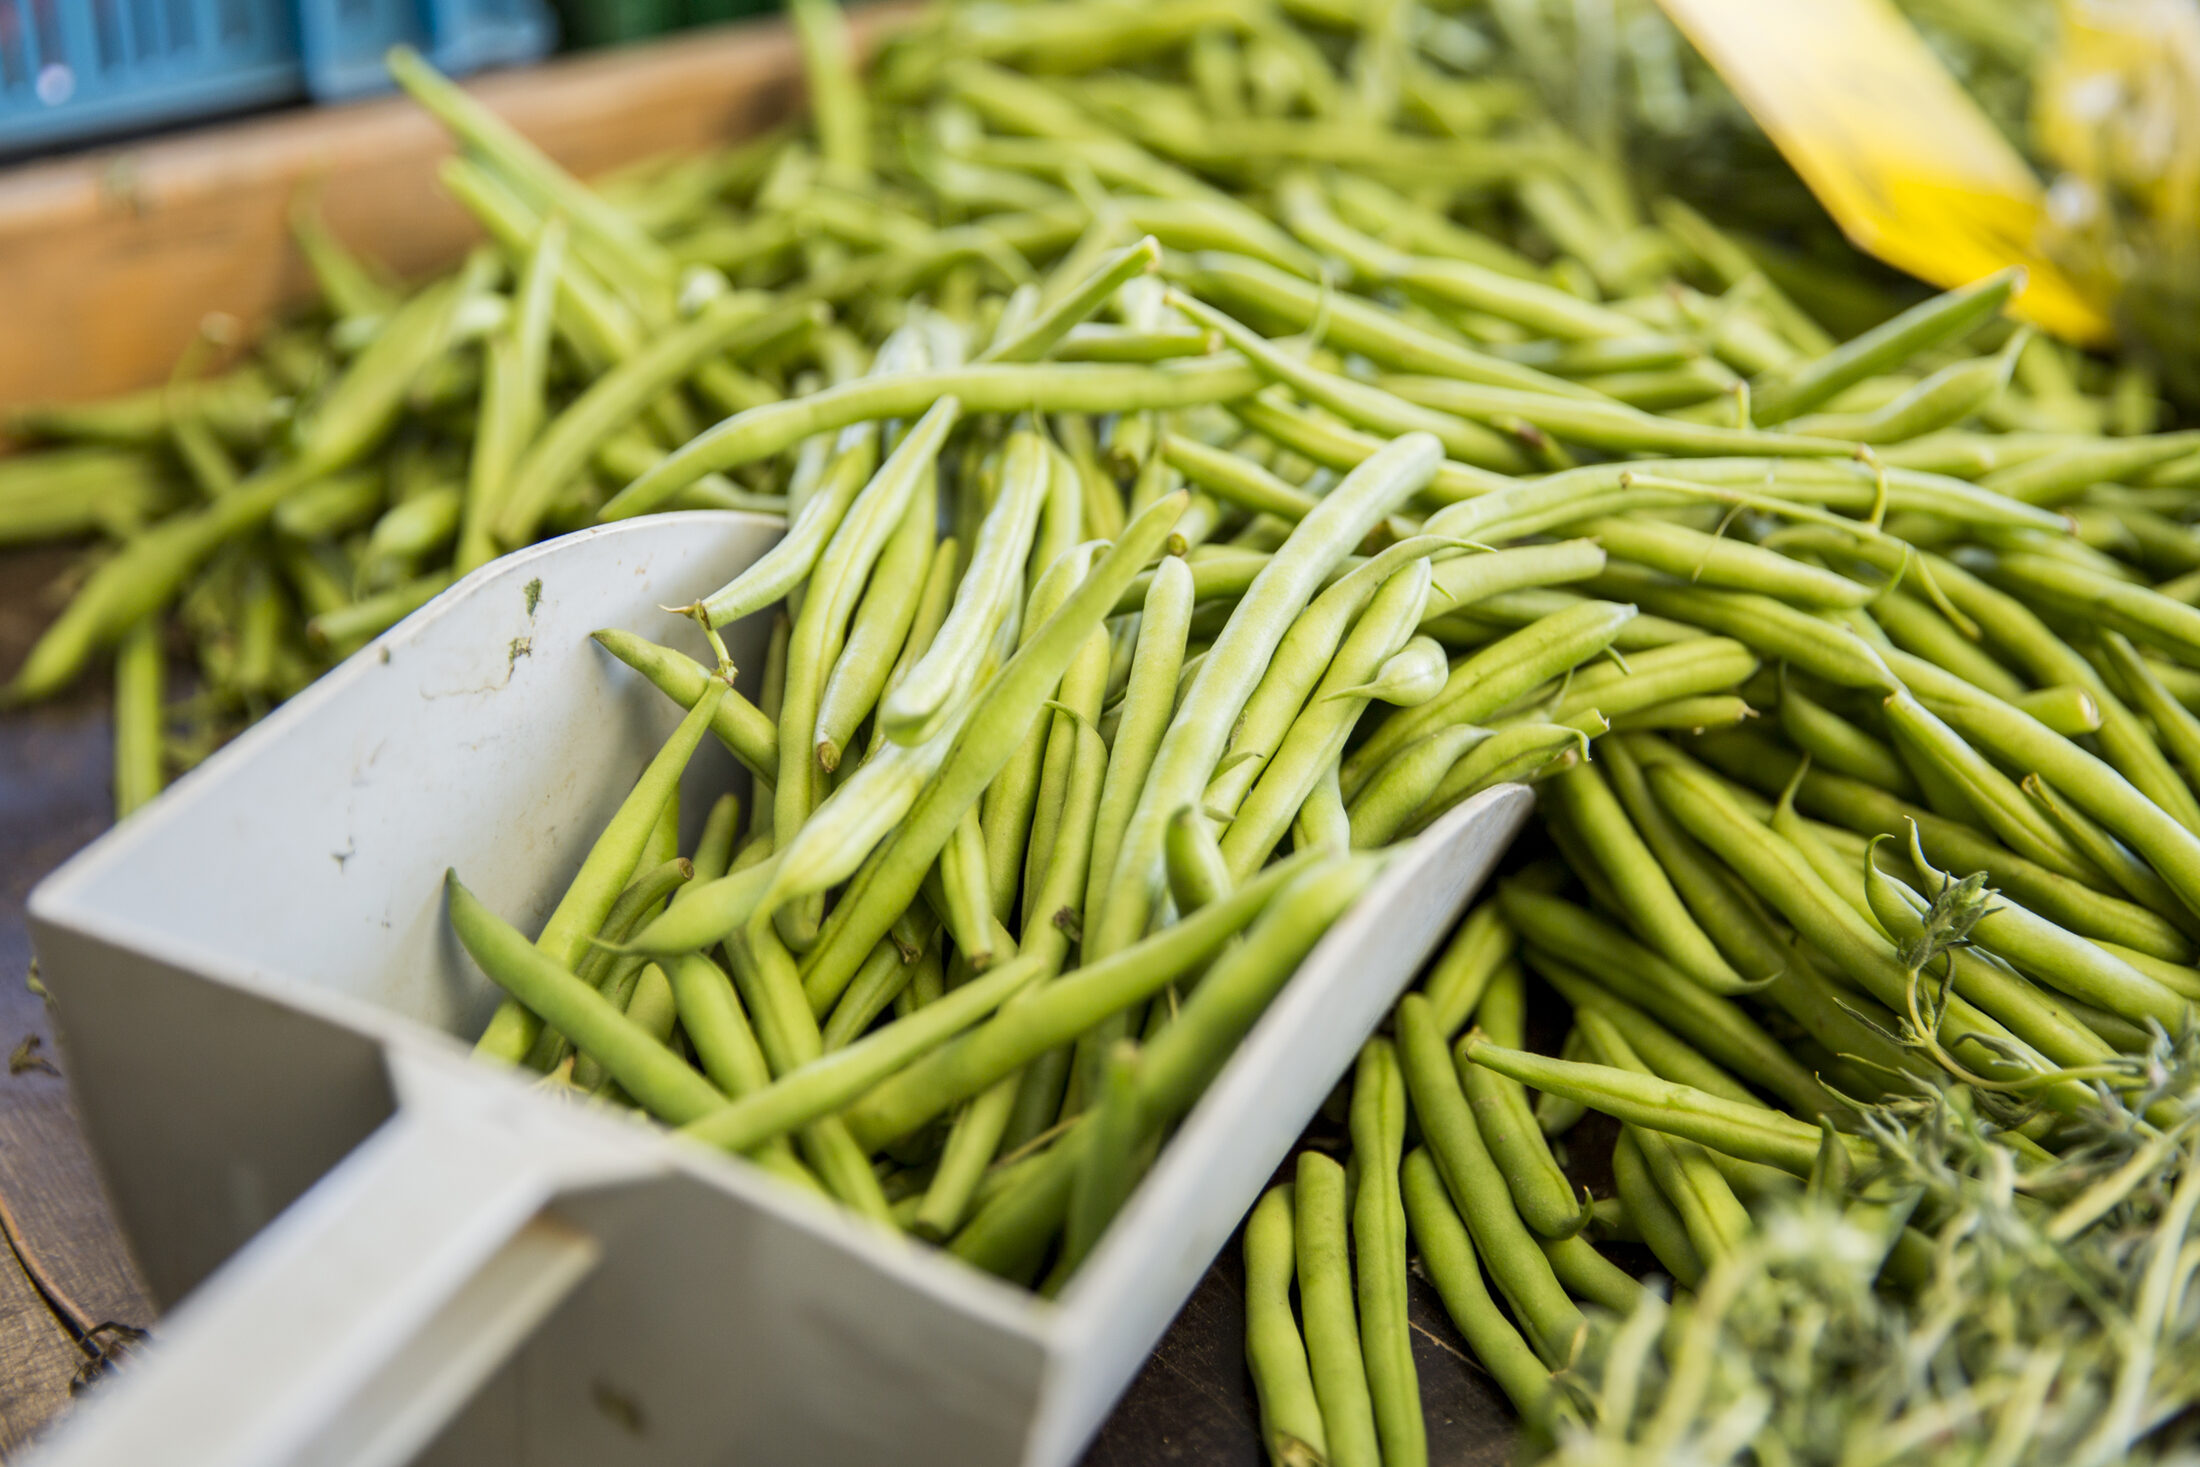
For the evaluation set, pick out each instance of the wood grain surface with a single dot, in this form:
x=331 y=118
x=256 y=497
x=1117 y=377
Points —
x=110 y=259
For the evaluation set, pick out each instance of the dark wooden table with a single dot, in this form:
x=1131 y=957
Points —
x=1193 y=1403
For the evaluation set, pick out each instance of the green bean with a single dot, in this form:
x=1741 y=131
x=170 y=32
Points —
x=1653 y=1216
x=1009 y=701
x=783 y=567
x=1606 y=425
x=2137 y=611
x=1409 y=677
x=1333 y=1344
x=1750 y=1132
x=655 y=1076
x=2032 y=1015
x=1583 y=941
x=1317 y=736
x=2054 y=478
x=918 y=704
x=1299 y=661
x=408 y=531
x=964 y=1157
x=1840 y=745
x=2066 y=962
x=1773 y=628
x=2172 y=849
x=968 y=892
x=771 y=991
x=2174 y=724
x=330 y=506
x=1686 y=715
x=1008 y=1232
x=738 y=723
x=1667 y=1055
x=818 y=1086
x=347 y=628
x=1868 y=810
x=1290 y=1416
x=1943 y=318
x=1041 y=387
x=1397 y=791
x=1186 y=756
x=1061 y=1010
x=1646 y=897
x=141 y=675
x=1108 y=1164
x=2124 y=741
x=1945 y=398
x=726 y=1048
x=1448 y=1254
x=1378 y=1122
x=1356 y=402
x=878 y=633
x=580 y=913
x=1656 y=676
x=1336 y=446
x=1517 y=754
x=1544 y=310
x=881 y=979
x=1354 y=324
x=1783 y=880
x=616 y=238
x=1097 y=342
x=1716 y=1222
x=1492 y=678
x=731 y=324
x=655 y=880
x=138 y=580
x=1713 y=560
x=1920 y=630
x=1464 y=970
x=1198 y=875
x=1523 y=1275
x=1233 y=478
x=1481 y=623
x=1539 y=1189
x=1037 y=337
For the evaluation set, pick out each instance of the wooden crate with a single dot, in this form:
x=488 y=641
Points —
x=109 y=260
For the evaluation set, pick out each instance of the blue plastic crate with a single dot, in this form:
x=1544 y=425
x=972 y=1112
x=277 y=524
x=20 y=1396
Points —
x=72 y=70
x=344 y=40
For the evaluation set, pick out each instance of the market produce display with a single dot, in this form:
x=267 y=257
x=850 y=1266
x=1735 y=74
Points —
x=1215 y=440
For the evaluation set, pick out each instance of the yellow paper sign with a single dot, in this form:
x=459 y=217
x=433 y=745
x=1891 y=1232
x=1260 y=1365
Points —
x=1893 y=147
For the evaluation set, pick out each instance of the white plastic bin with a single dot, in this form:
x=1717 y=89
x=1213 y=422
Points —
x=385 y=1252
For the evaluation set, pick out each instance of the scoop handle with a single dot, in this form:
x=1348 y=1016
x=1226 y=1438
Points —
x=352 y=1328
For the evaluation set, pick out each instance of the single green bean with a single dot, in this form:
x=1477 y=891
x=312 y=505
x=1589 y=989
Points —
x=1646 y=896
x=1944 y=318
x=994 y=387
x=1378 y=1124
x=1539 y=1189
x=1448 y=1255
x=1275 y=1353
x=1523 y=1275
x=1333 y=1344
x=141 y=675
x=1654 y=1217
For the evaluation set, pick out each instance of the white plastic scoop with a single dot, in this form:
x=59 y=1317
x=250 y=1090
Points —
x=385 y=1252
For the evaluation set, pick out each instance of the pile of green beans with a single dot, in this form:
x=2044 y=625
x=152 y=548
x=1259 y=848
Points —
x=1215 y=441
